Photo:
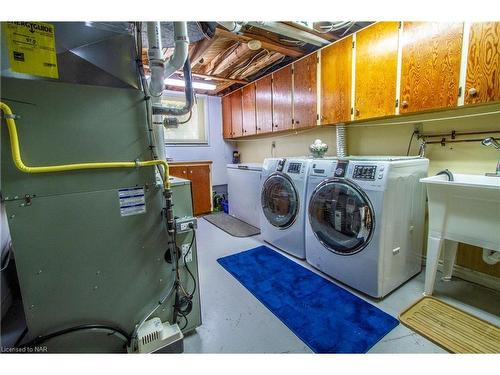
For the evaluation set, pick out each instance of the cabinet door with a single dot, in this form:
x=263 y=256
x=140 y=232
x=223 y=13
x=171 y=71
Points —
x=305 y=91
x=376 y=70
x=200 y=185
x=248 y=106
x=336 y=82
x=431 y=65
x=282 y=98
x=264 y=104
x=483 y=63
x=236 y=114
x=226 y=117
x=178 y=171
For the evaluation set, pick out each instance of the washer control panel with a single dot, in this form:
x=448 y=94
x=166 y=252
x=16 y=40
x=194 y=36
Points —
x=364 y=172
x=294 y=167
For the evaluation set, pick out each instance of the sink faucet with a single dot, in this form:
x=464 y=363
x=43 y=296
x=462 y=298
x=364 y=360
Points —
x=490 y=141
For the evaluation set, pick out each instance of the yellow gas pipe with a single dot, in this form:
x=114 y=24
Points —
x=16 y=156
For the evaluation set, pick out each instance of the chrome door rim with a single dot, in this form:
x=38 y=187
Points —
x=284 y=176
x=356 y=188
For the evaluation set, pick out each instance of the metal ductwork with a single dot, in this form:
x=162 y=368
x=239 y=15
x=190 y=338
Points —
x=291 y=32
x=341 y=141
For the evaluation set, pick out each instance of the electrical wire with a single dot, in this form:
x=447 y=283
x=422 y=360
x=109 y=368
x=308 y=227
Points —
x=409 y=143
x=193 y=238
x=124 y=336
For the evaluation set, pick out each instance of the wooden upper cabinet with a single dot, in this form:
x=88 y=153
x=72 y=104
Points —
x=236 y=114
x=226 y=117
x=305 y=87
x=376 y=70
x=264 y=104
x=282 y=98
x=430 y=68
x=483 y=63
x=336 y=82
x=248 y=106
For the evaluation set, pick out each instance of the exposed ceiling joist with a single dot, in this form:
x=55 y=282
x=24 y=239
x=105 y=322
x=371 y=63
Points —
x=266 y=43
x=197 y=50
x=217 y=78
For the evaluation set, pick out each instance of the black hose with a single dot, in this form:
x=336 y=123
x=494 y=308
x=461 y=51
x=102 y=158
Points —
x=41 y=339
x=188 y=93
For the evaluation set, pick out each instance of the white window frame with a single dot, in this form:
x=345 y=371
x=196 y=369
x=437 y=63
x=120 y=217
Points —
x=190 y=143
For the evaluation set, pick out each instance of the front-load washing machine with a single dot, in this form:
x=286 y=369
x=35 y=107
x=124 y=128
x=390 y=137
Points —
x=365 y=220
x=283 y=192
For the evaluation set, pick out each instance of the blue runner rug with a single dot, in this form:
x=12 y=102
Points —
x=324 y=316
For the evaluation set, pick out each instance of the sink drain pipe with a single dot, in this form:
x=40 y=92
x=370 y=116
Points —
x=341 y=141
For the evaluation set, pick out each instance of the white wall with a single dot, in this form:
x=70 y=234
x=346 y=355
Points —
x=217 y=150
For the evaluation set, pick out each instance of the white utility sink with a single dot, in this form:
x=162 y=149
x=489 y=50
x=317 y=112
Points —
x=466 y=210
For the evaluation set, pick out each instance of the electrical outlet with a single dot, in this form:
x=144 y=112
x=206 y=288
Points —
x=185 y=249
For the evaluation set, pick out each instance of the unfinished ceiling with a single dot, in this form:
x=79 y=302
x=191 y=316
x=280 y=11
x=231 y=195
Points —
x=235 y=53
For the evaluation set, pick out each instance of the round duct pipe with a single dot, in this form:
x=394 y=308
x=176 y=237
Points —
x=341 y=141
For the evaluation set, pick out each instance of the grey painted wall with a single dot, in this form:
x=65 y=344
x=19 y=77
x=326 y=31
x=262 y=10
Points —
x=217 y=150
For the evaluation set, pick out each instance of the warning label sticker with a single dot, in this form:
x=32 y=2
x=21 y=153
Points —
x=132 y=201
x=32 y=48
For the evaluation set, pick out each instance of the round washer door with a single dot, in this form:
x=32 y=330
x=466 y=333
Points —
x=341 y=216
x=279 y=201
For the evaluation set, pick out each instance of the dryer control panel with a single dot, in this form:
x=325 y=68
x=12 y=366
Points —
x=364 y=172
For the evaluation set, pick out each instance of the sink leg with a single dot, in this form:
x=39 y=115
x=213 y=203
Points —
x=433 y=250
x=450 y=253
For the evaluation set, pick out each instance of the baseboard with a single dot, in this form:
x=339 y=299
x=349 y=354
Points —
x=475 y=277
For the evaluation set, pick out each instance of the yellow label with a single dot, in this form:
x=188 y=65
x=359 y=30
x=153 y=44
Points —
x=32 y=48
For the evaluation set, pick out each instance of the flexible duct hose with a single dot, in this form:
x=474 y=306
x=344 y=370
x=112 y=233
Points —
x=341 y=142
x=18 y=162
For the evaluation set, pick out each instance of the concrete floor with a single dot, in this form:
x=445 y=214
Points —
x=234 y=321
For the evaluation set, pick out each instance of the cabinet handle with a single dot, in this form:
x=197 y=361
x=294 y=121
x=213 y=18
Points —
x=472 y=92
x=297 y=122
x=275 y=126
x=244 y=131
x=184 y=172
x=357 y=112
x=258 y=129
x=404 y=104
x=191 y=172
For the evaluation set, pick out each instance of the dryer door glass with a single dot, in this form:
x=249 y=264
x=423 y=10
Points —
x=279 y=201
x=341 y=216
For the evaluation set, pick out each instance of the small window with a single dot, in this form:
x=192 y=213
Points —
x=194 y=130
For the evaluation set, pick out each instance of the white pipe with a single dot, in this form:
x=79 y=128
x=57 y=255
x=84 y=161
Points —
x=232 y=26
x=291 y=32
x=160 y=70
x=491 y=256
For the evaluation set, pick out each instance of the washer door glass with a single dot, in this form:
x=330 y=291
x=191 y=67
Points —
x=341 y=216
x=279 y=201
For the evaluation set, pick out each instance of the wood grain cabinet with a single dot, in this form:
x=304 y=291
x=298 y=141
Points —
x=336 y=82
x=483 y=63
x=282 y=98
x=227 y=131
x=236 y=114
x=201 y=189
x=305 y=97
x=430 y=67
x=264 y=104
x=376 y=70
x=248 y=108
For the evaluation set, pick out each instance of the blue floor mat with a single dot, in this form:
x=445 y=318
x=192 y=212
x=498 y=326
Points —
x=324 y=316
